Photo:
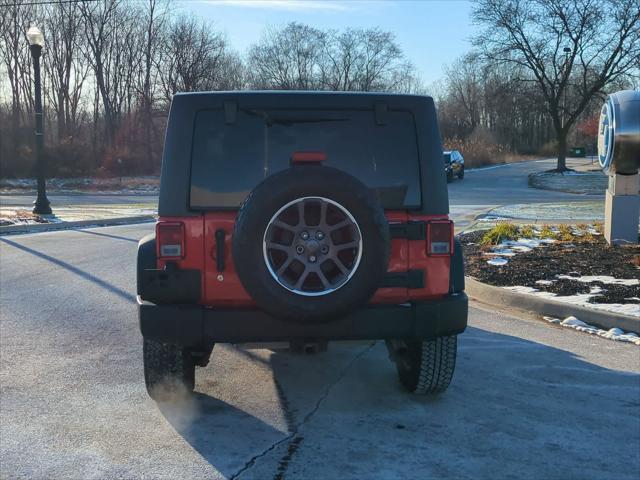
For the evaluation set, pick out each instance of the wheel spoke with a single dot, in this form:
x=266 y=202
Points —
x=284 y=226
x=343 y=246
x=285 y=265
x=339 y=225
x=278 y=246
x=302 y=279
x=301 y=219
x=323 y=214
x=325 y=282
x=338 y=263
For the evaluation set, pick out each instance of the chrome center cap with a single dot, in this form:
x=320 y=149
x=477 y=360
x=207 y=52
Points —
x=313 y=246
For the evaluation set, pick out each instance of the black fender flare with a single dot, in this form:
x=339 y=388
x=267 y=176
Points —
x=147 y=259
x=456 y=274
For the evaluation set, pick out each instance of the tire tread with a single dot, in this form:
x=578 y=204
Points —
x=169 y=370
x=432 y=362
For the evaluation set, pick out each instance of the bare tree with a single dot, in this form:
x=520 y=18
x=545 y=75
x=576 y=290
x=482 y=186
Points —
x=365 y=60
x=155 y=17
x=113 y=37
x=573 y=49
x=341 y=60
x=379 y=60
x=194 y=57
x=287 y=58
x=100 y=33
x=65 y=65
x=14 y=53
x=300 y=57
x=465 y=81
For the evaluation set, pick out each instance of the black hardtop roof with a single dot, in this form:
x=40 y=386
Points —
x=300 y=93
x=302 y=99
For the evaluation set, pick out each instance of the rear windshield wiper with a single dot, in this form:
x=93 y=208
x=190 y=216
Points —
x=288 y=121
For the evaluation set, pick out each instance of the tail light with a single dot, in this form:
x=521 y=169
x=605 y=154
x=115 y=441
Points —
x=308 y=157
x=170 y=240
x=440 y=237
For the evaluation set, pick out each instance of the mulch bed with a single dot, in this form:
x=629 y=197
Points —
x=545 y=262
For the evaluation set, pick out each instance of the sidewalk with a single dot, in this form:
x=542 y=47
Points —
x=142 y=185
x=555 y=212
x=17 y=220
x=468 y=218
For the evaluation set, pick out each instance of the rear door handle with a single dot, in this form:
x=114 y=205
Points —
x=220 y=238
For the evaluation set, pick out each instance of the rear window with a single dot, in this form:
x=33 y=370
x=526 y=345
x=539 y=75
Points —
x=229 y=160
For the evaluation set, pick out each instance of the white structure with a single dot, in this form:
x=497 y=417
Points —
x=619 y=157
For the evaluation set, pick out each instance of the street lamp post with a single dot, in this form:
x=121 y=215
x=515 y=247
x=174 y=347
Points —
x=36 y=42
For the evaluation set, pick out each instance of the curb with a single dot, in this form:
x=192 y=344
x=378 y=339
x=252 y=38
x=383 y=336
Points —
x=48 y=227
x=537 y=180
x=543 y=306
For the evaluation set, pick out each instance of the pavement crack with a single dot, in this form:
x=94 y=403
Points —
x=293 y=436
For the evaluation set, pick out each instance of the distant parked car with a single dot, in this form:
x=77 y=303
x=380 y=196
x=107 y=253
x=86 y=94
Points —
x=453 y=164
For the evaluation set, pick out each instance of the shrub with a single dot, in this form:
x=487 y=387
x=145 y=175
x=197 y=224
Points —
x=549 y=149
x=69 y=158
x=547 y=232
x=565 y=232
x=526 y=231
x=502 y=231
x=479 y=148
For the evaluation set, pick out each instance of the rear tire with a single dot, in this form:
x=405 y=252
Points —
x=425 y=367
x=169 y=371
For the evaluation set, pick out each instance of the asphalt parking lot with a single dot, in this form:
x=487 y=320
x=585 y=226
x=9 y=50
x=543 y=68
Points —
x=528 y=400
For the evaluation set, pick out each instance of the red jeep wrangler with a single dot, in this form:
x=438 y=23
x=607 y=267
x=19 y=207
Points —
x=302 y=217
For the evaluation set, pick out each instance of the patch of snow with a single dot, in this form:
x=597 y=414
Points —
x=582 y=299
x=601 y=278
x=501 y=253
x=491 y=218
x=528 y=242
x=498 y=261
x=521 y=248
x=573 y=322
x=545 y=282
x=615 y=334
x=552 y=320
x=637 y=299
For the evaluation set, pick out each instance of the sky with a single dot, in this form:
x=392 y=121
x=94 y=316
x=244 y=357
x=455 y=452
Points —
x=432 y=33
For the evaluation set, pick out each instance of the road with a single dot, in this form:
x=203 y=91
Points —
x=507 y=184
x=528 y=400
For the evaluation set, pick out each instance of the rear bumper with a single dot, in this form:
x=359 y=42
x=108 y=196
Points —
x=195 y=324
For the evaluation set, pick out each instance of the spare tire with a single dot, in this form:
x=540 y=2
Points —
x=311 y=243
